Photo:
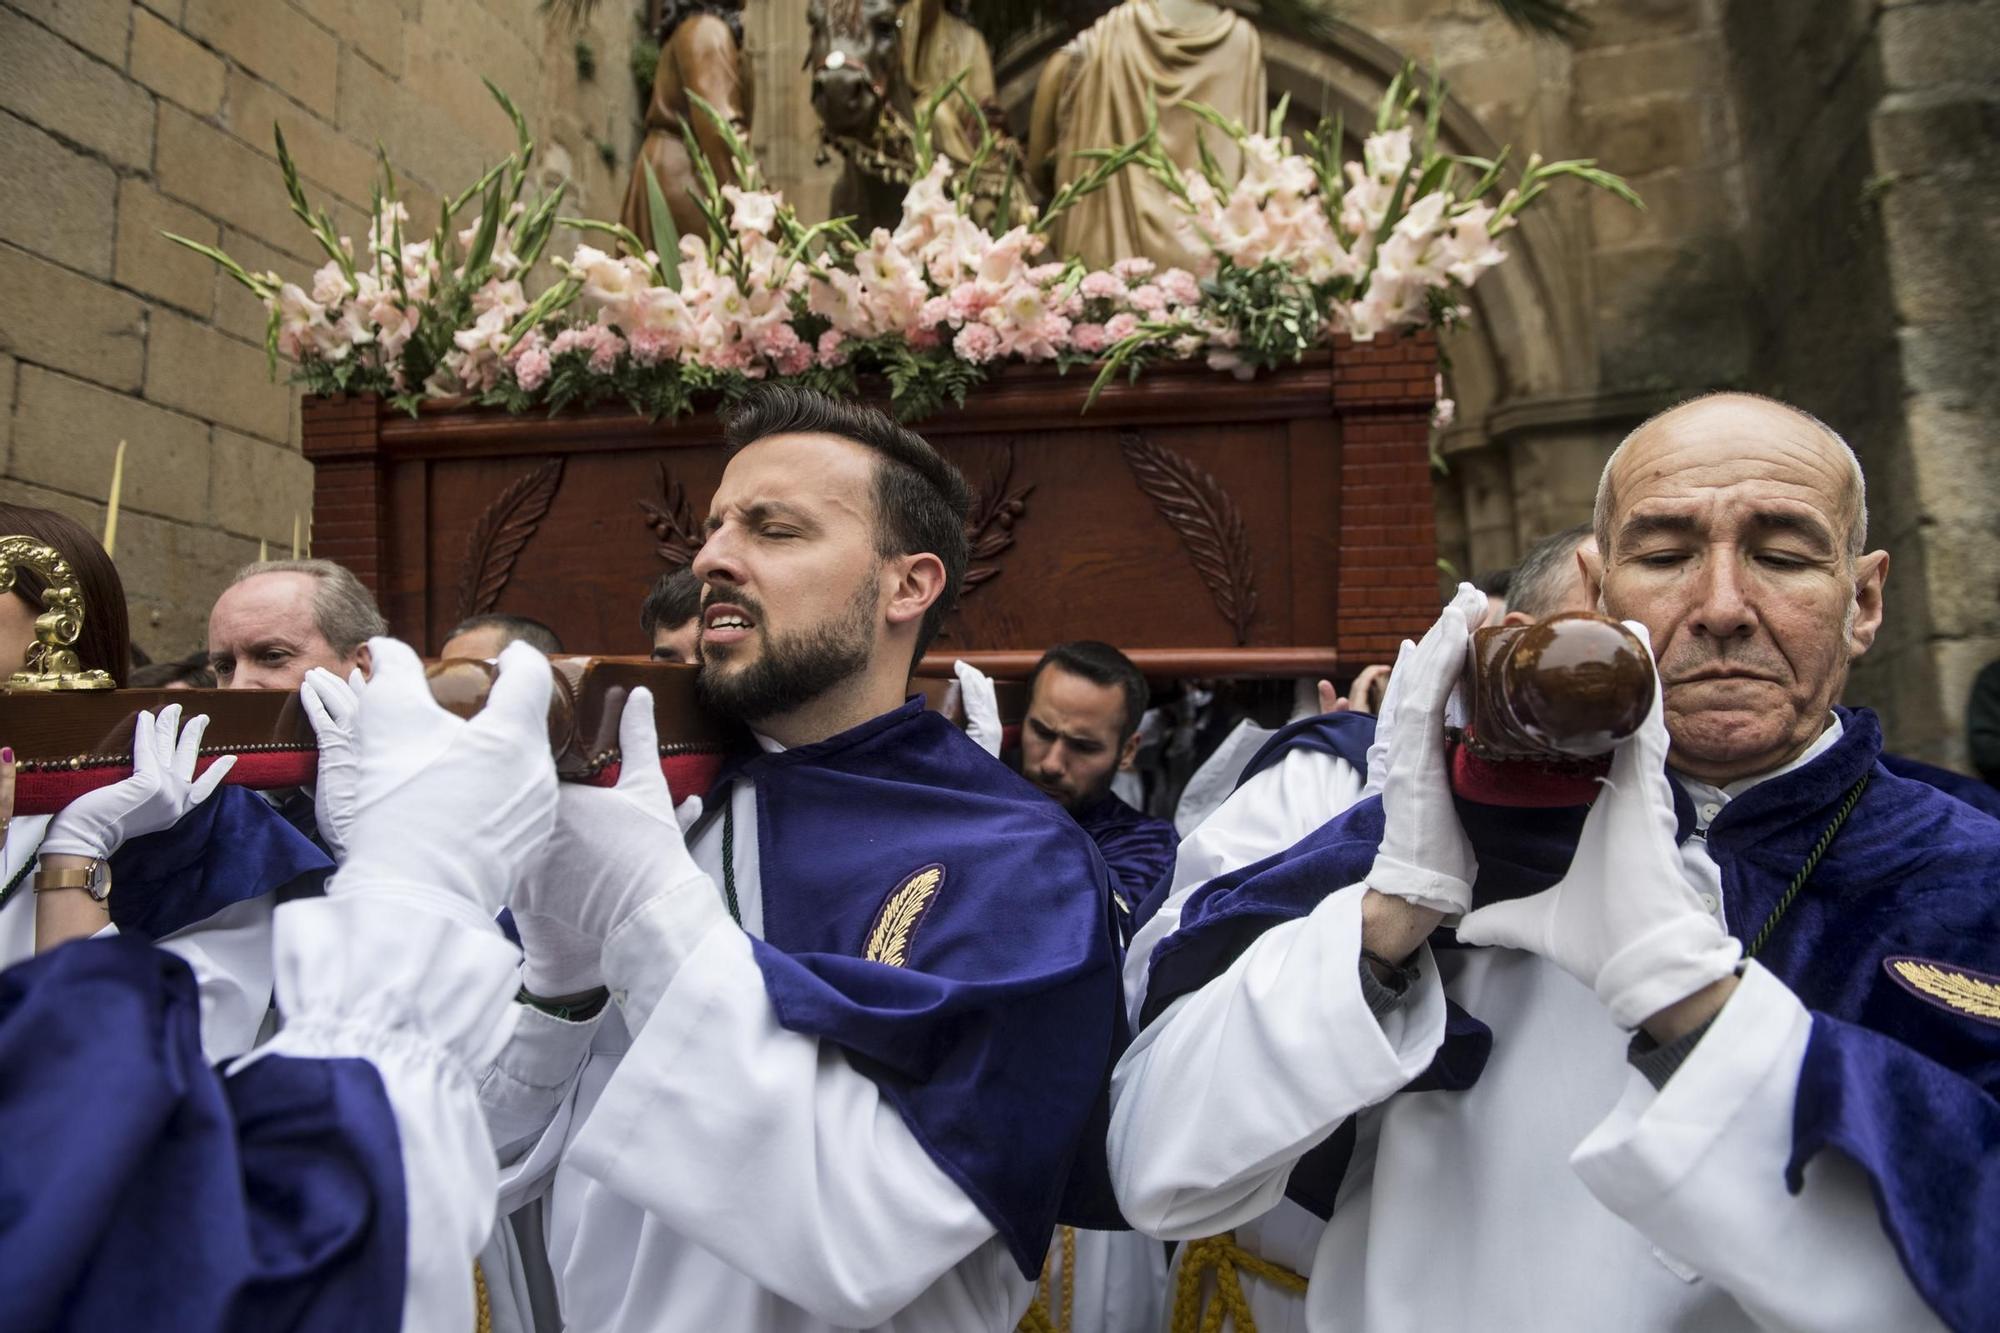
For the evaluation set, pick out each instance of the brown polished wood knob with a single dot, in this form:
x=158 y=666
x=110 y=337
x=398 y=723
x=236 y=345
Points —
x=1569 y=687
x=461 y=685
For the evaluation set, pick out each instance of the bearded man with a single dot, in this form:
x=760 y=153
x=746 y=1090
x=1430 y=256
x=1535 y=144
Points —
x=860 y=1022
x=1729 y=1057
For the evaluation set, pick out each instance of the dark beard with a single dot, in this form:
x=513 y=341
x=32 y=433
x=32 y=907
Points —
x=793 y=671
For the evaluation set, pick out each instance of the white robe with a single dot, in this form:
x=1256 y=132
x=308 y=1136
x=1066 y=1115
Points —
x=720 y=1172
x=1560 y=1192
x=426 y=999
x=230 y=951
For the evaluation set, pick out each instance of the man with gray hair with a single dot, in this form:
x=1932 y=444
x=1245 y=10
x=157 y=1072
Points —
x=1719 y=1050
x=1549 y=578
x=278 y=619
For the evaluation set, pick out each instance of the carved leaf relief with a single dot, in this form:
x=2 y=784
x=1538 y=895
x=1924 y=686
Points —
x=500 y=534
x=676 y=534
x=989 y=528
x=1208 y=523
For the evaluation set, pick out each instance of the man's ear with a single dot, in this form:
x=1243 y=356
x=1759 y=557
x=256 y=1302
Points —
x=1871 y=571
x=1591 y=561
x=365 y=660
x=919 y=581
x=1517 y=618
x=1128 y=752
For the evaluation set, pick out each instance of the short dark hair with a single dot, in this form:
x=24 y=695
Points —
x=674 y=600
x=106 y=641
x=1101 y=664
x=192 y=670
x=518 y=629
x=1538 y=578
x=1494 y=583
x=921 y=500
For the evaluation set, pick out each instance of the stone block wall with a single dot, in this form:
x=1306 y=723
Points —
x=120 y=120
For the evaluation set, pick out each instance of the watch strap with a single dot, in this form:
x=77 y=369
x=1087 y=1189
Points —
x=89 y=878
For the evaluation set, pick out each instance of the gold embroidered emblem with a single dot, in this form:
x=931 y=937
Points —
x=1954 y=988
x=889 y=941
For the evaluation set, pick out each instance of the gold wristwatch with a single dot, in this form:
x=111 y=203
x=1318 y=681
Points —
x=90 y=878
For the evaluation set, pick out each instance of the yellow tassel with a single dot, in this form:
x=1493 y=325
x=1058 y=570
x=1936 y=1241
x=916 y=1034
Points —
x=1223 y=1259
x=1054 y=1316
x=482 y=1304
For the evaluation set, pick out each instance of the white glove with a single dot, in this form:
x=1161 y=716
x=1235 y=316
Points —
x=1385 y=722
x=615 y=849
x=452 y=810
x=982 y=709
x=1425 y=857
x=1624 y=920
x=162 y=788
x=330 y=704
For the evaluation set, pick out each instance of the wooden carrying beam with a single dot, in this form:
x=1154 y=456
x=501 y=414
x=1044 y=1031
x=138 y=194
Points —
x=68 y=743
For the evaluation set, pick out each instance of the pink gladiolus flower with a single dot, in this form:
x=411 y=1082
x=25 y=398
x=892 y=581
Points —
x=752 y=210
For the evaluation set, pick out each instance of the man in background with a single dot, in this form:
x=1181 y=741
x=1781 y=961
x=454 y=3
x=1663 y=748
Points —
x=483 y=637
x=669 y=616
x=1548 y=580
x=1084 y=703
x=278 y=619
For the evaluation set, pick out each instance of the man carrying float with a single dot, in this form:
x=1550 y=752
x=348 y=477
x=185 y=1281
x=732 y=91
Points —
x=1773 y=961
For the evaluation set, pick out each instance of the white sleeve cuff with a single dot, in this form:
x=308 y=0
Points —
x=1652 y=1141
x=362 y=971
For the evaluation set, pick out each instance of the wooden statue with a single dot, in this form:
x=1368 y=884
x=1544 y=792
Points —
x=1093 y=94
x=872 y=63
x=701 y=52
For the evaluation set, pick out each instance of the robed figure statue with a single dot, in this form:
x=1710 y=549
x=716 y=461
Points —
x=701 y=52
x=1093 y=94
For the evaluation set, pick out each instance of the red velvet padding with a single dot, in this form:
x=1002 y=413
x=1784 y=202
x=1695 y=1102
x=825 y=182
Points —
x=44 y=793
x=1522 y=783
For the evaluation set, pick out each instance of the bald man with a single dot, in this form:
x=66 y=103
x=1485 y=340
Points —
x=1719 y=1051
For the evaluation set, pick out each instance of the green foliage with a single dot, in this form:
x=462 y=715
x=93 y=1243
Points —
x=645 y=66
x=922 y=383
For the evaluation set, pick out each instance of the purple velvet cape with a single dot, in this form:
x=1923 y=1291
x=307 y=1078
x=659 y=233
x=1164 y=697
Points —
x=995 y=1039
x=230 y=848
x=141 y=1189
x=1138 y=851
x=1905 y=1085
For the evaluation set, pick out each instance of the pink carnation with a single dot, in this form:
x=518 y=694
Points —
x=1087 y=338
x=649 y=347
x=830 y=353
x=1180 y=287
x=1136 y=268
x=1121 y=326
x=531 y=368
x=934 y=312
x=1102 y=285
x=1149 y=300
x=976 y=343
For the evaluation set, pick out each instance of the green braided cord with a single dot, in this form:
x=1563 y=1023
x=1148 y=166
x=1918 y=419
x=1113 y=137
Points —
x=27 y=866
x=729 y=857
x=1805 y=871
